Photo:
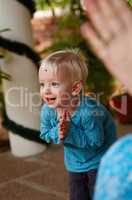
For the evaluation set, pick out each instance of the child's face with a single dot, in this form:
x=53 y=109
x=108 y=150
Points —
x=55 y=90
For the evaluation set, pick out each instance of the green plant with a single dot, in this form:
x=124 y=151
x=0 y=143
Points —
x=2 y=55
x=6 y=76
x=47 y=4
x=129 y=2
x=3 y=75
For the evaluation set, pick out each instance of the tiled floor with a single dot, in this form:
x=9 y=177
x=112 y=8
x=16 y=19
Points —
x=37 y=177
x=40 y=177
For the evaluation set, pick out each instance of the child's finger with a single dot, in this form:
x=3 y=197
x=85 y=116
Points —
x=65 y=116
x=61 y=138
x=62 y=124
x=62 y=118
x=62 y=134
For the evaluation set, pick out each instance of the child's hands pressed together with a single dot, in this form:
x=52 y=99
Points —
x=64 y=121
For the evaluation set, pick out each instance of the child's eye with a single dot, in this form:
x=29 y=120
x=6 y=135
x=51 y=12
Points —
x=55 y=84
x=41 y=84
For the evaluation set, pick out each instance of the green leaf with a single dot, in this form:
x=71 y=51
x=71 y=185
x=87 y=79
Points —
x=4 y=75
x=129 y=2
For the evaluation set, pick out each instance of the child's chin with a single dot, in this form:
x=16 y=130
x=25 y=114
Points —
x=52 y=105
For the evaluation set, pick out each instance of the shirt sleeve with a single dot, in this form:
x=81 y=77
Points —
x=48 y=133
x=114 y=180
x=90 y=134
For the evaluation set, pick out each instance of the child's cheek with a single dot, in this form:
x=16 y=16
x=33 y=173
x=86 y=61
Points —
x=41 y=93
x=56 y=91
x=65 y=99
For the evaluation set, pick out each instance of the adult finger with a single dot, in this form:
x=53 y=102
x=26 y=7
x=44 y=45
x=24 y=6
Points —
x=112 y=20
x=93 y=40
x=96 y=18
x=122 y=11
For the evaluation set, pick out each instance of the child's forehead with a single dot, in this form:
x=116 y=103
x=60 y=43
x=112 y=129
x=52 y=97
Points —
x=47 y=75
x=61 y=74
x=47 y=72
x=46 y=65
x=55 y=68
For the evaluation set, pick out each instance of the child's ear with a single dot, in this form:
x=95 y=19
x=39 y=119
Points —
x=76 y=88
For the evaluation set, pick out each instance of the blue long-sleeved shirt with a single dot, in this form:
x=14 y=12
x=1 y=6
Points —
x=92 y=131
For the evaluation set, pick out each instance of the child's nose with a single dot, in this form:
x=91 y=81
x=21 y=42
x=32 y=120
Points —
x=47 y=90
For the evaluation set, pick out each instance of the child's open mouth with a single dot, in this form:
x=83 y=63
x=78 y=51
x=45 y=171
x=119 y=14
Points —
x=50 y=100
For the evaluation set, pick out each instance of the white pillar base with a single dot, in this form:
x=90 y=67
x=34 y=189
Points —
x=22 y=147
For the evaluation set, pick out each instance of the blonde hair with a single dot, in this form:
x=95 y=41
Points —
x=75 y=65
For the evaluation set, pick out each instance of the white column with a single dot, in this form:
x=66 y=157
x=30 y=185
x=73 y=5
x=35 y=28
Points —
x=22 y=92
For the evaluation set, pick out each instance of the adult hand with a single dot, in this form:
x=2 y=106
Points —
x=109 y=33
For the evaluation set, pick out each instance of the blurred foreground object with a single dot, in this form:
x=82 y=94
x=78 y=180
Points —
x=108 y=32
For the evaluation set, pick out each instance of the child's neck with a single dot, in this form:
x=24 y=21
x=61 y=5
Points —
x=72 y=106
